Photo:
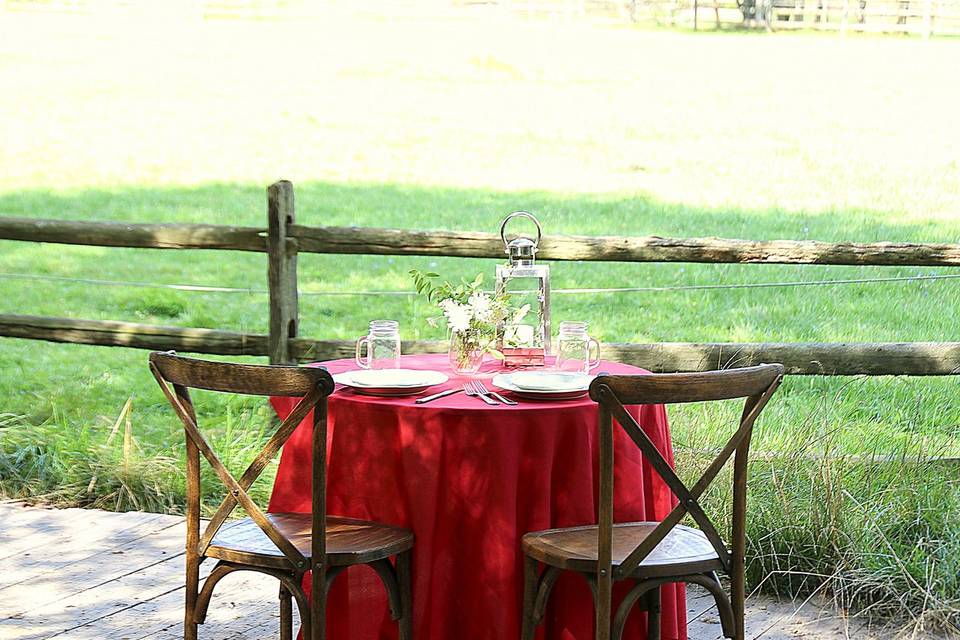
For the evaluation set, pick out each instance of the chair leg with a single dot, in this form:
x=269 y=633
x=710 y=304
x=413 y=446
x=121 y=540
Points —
x=303 y=606
x=530 y=580
x=738 y=598
x=192 y=594
x=653 y=613
x=318 y=610
x=603 y=610
x=405 y=578
x=286 y=614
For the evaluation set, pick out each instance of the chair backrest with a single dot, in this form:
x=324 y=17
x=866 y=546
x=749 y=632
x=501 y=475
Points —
x=614 y=392
x=176 y=375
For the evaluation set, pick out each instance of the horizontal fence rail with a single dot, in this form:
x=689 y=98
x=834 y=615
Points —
x=467 y=244
x=134 y=235
x=826 y=359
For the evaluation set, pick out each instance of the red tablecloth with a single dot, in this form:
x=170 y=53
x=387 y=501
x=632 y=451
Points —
x=469 y=480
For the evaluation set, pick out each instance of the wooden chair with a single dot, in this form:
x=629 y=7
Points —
x=651 y=554
x=283 y=545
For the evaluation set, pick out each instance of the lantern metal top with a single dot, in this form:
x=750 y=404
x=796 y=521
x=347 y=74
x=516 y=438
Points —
x=521 y=249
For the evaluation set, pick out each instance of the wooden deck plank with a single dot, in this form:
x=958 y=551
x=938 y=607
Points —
x=94 y=603
x=75 y=546
x=120 y=576
x=96 y=588
x=47 y=589
x=242 y=603
x=24 y=528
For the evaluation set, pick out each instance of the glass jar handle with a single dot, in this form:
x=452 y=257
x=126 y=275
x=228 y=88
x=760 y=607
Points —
x=360 y=343
x=519 y=214
x=593 y=364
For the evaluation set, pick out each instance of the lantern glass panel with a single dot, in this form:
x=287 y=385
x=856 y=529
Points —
x=526 y=285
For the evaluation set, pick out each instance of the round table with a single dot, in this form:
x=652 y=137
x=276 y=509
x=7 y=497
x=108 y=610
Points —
x=469 y=480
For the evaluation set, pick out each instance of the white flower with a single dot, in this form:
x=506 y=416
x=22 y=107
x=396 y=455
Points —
x=458 y=315
x=482 y=306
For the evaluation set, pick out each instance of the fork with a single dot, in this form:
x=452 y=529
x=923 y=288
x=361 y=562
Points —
x=470 y=390
x=482 y=389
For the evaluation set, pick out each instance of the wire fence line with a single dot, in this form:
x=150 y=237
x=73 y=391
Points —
x=561 y=291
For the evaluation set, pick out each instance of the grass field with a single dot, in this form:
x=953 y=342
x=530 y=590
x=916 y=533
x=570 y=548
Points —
x=452 y=123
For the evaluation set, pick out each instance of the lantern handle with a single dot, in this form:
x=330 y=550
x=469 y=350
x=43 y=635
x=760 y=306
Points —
x=519 y=214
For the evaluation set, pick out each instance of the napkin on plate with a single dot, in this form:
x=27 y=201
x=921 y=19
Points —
x=392 y=377
x=550 y=380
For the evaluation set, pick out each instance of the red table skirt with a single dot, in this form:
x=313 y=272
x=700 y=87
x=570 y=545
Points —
x=470 y=481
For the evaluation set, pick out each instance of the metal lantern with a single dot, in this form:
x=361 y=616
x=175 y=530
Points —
x=527 y=341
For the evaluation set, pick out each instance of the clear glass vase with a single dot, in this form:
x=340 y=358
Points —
x=466 y=354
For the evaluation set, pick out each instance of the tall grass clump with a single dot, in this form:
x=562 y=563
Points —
x=107 y=464
x=877 y=534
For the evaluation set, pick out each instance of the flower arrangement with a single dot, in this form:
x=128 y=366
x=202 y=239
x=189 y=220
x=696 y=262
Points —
x=471 y=314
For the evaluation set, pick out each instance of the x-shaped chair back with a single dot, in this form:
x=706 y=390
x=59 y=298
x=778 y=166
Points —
x=177 y=375
x=613 y=392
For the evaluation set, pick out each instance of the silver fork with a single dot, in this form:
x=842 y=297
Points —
x=469 y=389
x=482 y=389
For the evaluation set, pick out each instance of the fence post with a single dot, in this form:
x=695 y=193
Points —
x=281 y=272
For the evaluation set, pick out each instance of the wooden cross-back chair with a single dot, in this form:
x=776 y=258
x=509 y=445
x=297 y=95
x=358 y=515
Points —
x=651 y=554
x=283 y=545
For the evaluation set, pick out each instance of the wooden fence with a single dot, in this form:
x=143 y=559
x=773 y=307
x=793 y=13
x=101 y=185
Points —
x=921 y=17
x=915 y=17
x=283 y=239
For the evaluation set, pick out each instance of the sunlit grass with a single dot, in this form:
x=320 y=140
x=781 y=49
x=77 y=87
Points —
x=130 y=464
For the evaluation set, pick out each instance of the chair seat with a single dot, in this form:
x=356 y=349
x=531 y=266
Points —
x=684 y=550
x=349 y=541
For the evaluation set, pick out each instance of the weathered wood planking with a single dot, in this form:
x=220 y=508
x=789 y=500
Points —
x=136 y=235
x=120 y=578
x=307 y=350
x=244 y=606
x=190 y=340
x=281 y=272
x=829 y=359
x=71 y=542
x=116 y=595
x=110 y=592
x=624 y=249
x=369 y=241
x=26 y=530
x=129 y=334
x=51 y=594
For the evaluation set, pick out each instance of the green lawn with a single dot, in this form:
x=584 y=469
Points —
x=451 y=124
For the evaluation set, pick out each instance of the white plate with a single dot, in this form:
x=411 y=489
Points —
x=550 y=381
x=503 y=381
x=390 y=382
